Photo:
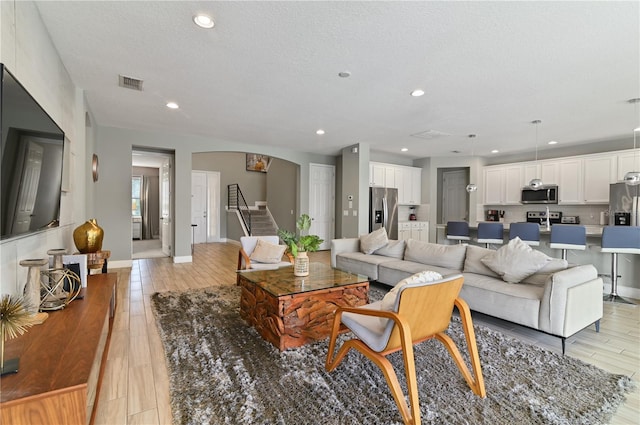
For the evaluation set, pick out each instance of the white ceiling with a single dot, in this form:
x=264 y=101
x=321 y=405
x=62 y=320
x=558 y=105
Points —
x=268 y=72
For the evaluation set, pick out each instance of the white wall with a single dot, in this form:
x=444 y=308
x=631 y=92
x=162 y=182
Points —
x=27 y=52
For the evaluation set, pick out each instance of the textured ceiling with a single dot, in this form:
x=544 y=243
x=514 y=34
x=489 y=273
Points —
x=268 y=72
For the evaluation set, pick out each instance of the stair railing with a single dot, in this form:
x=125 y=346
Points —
x=237 y=202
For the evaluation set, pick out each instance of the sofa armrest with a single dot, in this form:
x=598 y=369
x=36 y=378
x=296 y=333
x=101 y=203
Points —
x=572 y=300
x=338 y=246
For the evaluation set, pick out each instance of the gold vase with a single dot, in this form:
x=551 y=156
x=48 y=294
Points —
x=88 y=237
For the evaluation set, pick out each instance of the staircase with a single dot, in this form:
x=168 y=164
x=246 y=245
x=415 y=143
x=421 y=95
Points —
x=256 y=222
x=262 y=223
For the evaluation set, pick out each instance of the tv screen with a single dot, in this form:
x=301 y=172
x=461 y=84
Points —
x=31 y=149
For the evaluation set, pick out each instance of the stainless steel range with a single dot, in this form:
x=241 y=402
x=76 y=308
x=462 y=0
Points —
x=540 y=217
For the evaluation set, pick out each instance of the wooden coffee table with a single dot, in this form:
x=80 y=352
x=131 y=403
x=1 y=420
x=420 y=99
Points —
x=290 y=311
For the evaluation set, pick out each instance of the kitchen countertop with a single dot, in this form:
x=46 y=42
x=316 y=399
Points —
x=592 y=229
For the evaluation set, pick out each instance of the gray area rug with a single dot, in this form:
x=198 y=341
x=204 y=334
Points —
x=222 y=372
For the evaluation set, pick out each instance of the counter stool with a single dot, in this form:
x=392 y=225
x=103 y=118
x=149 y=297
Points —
x=568 y=236
x=529 y=233
x=490 y=232
x=458 y=231
x=619 y=240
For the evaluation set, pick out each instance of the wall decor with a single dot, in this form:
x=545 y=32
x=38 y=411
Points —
x=257 y=162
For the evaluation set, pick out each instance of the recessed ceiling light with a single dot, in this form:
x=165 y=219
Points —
x=344 y=74
x=417 y=93
x=552 y=142
x=404 y=150
x=203 y=21
x=172 y=105
x=495 y=151
x=320 y=132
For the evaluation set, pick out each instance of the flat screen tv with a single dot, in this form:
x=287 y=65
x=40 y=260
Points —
x=32 y=148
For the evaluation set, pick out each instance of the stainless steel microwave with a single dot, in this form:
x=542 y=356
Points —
x=545 y=195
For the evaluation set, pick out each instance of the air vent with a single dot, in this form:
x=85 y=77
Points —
x=430 y=134
x=130 y=83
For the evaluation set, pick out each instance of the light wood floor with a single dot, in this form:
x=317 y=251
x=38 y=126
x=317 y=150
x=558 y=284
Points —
x=135 y=388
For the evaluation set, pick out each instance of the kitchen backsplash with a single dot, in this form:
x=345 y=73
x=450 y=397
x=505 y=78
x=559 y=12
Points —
x=589 y=214
x=421 y=212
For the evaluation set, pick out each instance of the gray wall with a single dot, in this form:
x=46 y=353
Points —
x=283 y=193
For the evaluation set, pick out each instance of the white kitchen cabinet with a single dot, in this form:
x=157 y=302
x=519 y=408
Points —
x=376 y=174
x=549 y=172
x=599 y=172
x=406 y=179
x=513 y=184
x=627 y=161
x=420 y=230
x=404 y=230
x=494 y=185
x=416 y=185
x=530 y=171
x=569 y=181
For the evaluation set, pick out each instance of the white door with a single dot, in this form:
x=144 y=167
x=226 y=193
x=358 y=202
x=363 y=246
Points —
x=213 y=206
x=199 y=206
x=454 y=196
x=28 y=187
x=165 y=206
x=322 y=202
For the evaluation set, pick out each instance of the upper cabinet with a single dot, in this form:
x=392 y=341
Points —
x=581 y=179
x=627 y=161
x=408 y=180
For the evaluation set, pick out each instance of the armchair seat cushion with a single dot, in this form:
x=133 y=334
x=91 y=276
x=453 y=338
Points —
x=370 y=329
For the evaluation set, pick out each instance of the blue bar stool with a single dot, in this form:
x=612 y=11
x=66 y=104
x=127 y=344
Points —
x=529 y=233
x=568 y=236
x=619 y=240
x=458 y=230
x=490 y=233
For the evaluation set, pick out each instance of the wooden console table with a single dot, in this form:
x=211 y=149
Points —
x=61 y=361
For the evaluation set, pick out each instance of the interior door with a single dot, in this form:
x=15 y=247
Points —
x=199 y=206
x=322 y=202
x=165 y=206
x=213 y=206
x=454 y=196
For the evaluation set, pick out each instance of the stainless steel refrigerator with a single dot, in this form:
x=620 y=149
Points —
x=623 y=205
x=383 y=210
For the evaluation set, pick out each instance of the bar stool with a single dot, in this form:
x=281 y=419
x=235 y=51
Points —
x=568 y=236
x=619 y=240
x=458 y=231
x=529 y=233
x=490 y=233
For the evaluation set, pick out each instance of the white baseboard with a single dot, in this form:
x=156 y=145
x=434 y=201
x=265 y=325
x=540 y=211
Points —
x=120 y=264
x=183 y=259
x=623 y=291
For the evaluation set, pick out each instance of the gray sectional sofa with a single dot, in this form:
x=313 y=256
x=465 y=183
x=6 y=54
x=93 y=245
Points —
x=558 y=299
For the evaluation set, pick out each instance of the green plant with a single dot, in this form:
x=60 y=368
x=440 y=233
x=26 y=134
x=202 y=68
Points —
x=303 y=242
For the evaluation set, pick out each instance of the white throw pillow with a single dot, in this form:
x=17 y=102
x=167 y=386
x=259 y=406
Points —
x=515 y=261
x=373 y=241
x=389 y=300
x=267 y=252
x=393 y=249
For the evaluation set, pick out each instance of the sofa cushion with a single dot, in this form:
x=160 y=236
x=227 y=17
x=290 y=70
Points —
x=392 y=272
x=515 y=261
x=393 y=249
x=472 y=263
x=373 y=241
x=543 y=275
x=357 y=262
x=447 y=256
x=267 y=252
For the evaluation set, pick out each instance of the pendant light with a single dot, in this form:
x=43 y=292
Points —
x=471 y=187
x=632 y=178
x=536 y=183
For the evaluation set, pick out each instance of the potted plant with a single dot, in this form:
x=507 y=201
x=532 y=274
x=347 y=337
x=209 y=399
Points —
x=299 y=245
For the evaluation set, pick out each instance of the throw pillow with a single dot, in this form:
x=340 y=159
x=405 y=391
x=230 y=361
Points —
x=544 y=274
x=373 y=241
x=473 y=263
x=447 y=256
x=267 y=252
x=515 y=261
x=394 y=249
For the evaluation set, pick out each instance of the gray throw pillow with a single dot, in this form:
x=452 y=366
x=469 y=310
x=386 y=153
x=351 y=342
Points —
x=373 y=241
x=447 y=256
x=544 y=274
x=266 y=252
x=515 y=261
x=394 y=249
x=472 y=263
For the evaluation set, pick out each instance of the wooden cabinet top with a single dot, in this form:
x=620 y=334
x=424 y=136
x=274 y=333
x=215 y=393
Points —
x=60 y=352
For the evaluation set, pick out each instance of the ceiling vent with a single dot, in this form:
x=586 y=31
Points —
x=430 y=134
x=130 y=83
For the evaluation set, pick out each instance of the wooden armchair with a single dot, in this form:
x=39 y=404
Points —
x=421 y=311
x=248 y=245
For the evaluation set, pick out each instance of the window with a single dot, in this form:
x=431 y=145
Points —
x=136 y=194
